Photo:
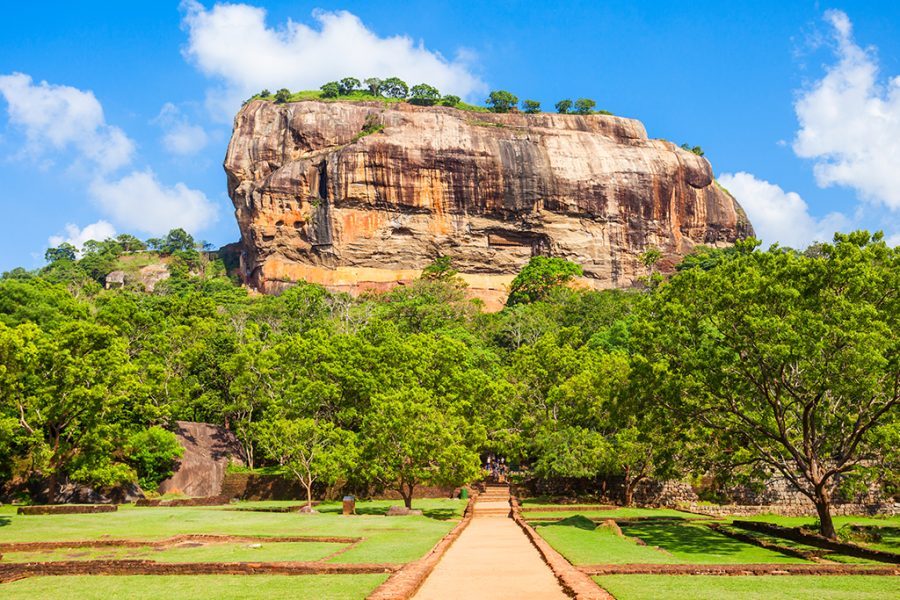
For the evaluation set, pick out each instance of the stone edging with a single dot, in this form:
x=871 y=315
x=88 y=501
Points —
x=405 y=582
x=14 y=571
x=573 y=581
x=795 y=534
x=739 y=569
x=166 y=542
x=66 y=509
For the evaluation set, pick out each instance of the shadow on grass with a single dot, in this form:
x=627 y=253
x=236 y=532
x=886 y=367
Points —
x=5 y=521
x=687 y=539
x=577 y=521
x=440 y=514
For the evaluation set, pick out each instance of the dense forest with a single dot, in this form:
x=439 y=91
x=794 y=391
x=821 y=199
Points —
x=744 y=363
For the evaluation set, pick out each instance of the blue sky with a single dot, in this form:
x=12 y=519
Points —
x=115 y=116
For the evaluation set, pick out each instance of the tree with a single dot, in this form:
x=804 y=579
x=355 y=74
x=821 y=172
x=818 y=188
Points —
x=501 y=101
x=152 y=453
x=129 y=243
x=531 y=107
x=308 y=449
x=695 y=149
x=792 y=360
x=177 y=240
x=64 y=251
x=265 y=93
x=539 y=276
x=393 y=87
x=283 y=95
x=584 y=106
x=563 y=107
x=348 y=85
x=411 y=442
x=450 y=100
x=332 y=89
x=373 y=85
x=440 y=269
x=424 y=94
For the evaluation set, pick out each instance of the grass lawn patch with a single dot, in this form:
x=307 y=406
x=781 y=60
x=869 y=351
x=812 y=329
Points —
x=213 y=552
x=885 y=521
x=798 y=587
x=583 y=543
x=388 y=539
x=692 y=543
x=617 y=513
x=191 y=587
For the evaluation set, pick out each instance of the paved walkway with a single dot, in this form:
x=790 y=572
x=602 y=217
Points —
x=491 y=559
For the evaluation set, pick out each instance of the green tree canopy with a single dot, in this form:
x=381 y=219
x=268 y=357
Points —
x=584 y=106
x=501 y=101
x=394 y=87
x=539 y=276
x=424 y=94
x=531 y=107
x=563 y=106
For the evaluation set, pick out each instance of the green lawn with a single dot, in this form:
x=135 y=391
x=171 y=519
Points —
x=795 y=587
x=232 y=552
x=388 y=539
x=191 y=587
x=678 y=542
x=838 y=521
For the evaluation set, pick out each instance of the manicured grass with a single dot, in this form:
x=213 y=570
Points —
x=582 y=544
x=191 y=587
x=795 y=587
x=691 y=543
x=839 y=522
x=387 y=539
x=678 y=542
x=799 y=546
x=233 y=552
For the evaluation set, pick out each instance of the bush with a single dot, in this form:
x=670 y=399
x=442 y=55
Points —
x=152 y=453
x=563 y=106
x=695 y=149
x=424 y=95
x=283 y=95
x=584 y=106
x=332 y=89
x=531 y=107
x=450 y=100
x=265 y=93
x=501 y=101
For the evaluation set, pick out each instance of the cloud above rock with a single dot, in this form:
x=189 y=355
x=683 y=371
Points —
x=233 y=45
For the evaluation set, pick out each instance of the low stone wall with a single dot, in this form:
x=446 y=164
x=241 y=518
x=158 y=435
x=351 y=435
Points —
x=66 y=509
x=202 y=501
x=789 y=510
x=253 y=486
x=743 y=569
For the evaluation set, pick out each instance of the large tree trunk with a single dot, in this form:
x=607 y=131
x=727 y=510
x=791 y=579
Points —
x=407 y=493
x=823 y=508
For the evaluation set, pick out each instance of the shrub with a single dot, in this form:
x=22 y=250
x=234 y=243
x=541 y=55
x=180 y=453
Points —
x=501 y=101
x=152 y=453
x=283 y=95
x=584 y=106
x=450 y=100
x=424 y=94
x=265 y=93
x=563 y=106
x=695 y=149
x=332 y=89
x=531 y=107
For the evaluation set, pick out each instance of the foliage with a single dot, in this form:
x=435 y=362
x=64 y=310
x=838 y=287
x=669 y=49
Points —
x=283 y=95
x=64 y=251
x=695 y=149
x=440 y=269
x=539 y=276
x=394 y=87
x=563 y=106
x=531 y=107
x=790 y=360
x=410 y=442
x=152 y=452
x=584 y=106
x=332 y=89
x=424 y=94
x=450 y=100
x=348 y=85
x=501 y=101
x=373 y=85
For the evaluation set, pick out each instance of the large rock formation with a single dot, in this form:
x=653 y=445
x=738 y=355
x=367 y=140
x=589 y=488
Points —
x=364 y=195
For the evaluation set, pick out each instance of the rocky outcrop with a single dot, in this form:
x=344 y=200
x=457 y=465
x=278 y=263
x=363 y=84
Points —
x=208 y=450
x=364 y=195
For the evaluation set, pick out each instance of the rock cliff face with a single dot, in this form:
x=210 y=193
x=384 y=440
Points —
x=365 y=195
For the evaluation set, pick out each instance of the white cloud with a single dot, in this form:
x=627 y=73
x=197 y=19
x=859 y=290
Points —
x=893 y=240
x=139 y=202
x=850 y=121
x=232 y=43
x=180 y=136
x=56 y=117
x=779 y=216
x=77 y=236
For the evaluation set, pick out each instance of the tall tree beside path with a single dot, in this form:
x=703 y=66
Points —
x=411 y=442
x=794 y=359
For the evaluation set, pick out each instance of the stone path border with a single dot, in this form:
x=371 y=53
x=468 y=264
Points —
x=574 y=582
x=14 y=571
x=171 y=541
x=66 y=509
x=406 y=581
x=739 y=569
